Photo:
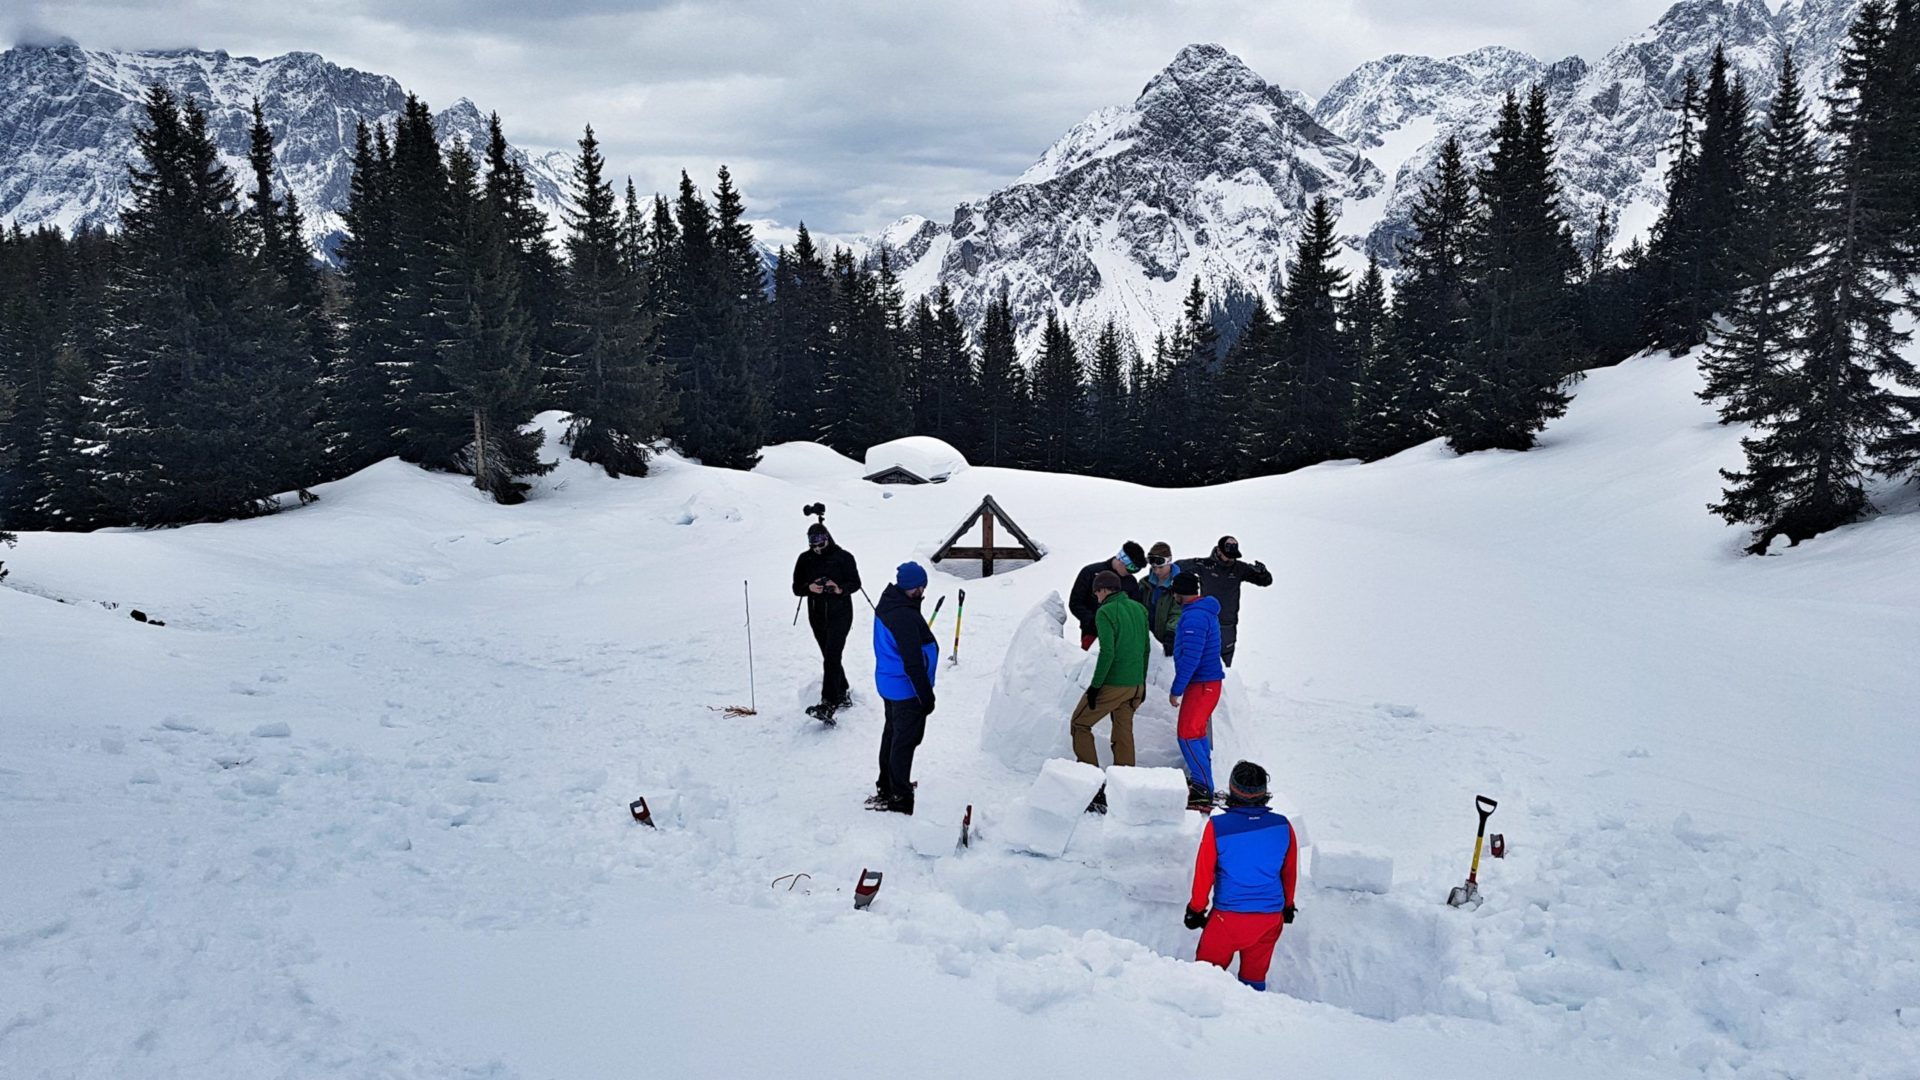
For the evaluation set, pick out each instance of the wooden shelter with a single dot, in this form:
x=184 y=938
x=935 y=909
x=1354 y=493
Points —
x=988 y=514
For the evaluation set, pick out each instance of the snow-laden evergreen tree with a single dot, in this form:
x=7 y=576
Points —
x=1003 y=386
x=1188 y=434
x=801 y=322
x=198 y=392
x=1057 y=432
x=1823 y=417
x=486 y=358
x=361 y=420
x=1512 y=377
x=1313 y=372
x=606 y=376
x=1431 y=327
x=9 y=460
x=67 y=460
x=1779 y=243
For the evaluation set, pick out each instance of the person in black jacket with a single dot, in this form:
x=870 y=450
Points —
x=828 y=577
x=1221 y=574
x=1081 y=601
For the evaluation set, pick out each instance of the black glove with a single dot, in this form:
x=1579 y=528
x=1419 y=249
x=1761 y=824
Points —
x=926 y=704
x=1092 y=692
x=1196 y=919
x=1286 y=914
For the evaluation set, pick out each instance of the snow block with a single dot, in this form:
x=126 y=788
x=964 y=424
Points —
x=1065 y=787
x=1042 y=678
x=1351 y=867
x=1042 y=832
x=1153 y=863
x=933 y=836
x=1140 y=796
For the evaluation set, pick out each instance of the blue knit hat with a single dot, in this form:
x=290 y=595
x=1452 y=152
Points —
x=910 y=576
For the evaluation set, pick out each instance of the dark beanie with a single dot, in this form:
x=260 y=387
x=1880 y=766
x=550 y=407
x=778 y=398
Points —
x=1186 y=583
x=1106 y=581
x=1136 y=555
x=1248 y=783
x=819 y=531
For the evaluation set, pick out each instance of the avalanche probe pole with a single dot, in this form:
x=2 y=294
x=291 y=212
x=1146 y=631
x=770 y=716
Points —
x=959 y=613
x=753 y=696
x=1470 y=892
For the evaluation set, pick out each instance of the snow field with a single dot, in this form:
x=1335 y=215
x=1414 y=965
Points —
x=423 y=864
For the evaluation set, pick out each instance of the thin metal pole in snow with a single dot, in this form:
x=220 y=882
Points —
x=753 y=697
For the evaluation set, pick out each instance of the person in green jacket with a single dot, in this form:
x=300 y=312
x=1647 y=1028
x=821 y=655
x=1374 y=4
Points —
x=1119 y=676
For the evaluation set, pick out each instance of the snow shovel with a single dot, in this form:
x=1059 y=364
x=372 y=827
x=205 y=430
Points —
x=1468 y=895
x=641 y=814
x=864 y=892
x=959 y=613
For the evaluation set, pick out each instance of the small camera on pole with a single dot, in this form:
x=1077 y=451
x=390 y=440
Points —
x=818 y=510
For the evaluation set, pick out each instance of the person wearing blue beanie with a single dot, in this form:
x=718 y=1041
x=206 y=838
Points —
x=905 y=658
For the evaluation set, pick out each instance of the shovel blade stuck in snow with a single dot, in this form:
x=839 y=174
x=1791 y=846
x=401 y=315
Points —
x=641 y=814
x=1468 y=894
x=864 y=892
x=966 y=827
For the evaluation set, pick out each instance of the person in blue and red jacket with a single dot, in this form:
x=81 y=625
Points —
x=905 y=658
x=1197 y=680
x=1247 y=863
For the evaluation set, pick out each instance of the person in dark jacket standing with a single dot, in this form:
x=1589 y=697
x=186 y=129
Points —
x=905 y=657
x=828 y=577
x=1081 y=601
x=1156 y=593
x=1221 y=574
x=1247 y=863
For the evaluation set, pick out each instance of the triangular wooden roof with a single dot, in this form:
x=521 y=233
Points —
x=1031 y=549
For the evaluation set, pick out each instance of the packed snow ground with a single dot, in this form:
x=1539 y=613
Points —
x=359 y=807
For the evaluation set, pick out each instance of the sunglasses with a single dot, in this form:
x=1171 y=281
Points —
x=1158 y=560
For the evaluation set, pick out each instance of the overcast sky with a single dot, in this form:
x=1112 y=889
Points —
x=843 y=113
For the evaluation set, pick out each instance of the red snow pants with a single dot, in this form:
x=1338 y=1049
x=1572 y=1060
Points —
x=1252 y=934
x=1196 y=709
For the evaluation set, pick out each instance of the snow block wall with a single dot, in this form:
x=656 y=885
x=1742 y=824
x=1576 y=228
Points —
x=1042 y=679
x=1137 y=796
x=1351 y=867
x=1043 y=822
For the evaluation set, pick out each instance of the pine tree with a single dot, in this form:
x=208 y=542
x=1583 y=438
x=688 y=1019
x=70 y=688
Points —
x=801 y=321
x=1003 y=386
x=486 y=359
x=606 y=374
x=1373 y=431
x=1513 y=378
x=510 y=192
x=361 y=418
x=1431 y=325
x=1313 y=372
x=1190 y=430
x=431 y=429
x=199 y=353
x=1057 y=432
x=712 y=332
x=287 y=272
x=1248 y=386
x=1780 y=242
x=67 y=451
x=1819 y=416
x=1110 y=448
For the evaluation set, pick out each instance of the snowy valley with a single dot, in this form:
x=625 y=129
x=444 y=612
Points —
x=360 y=807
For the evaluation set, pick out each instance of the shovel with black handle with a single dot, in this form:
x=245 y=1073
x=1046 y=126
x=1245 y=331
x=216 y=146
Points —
x=1468 y=895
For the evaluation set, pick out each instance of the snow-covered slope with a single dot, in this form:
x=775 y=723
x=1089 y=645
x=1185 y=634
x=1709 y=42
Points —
x=360 y=807
x=67 y=117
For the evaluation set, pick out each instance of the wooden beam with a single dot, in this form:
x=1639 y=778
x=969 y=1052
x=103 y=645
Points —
x=1016 y=554
x=986 y=538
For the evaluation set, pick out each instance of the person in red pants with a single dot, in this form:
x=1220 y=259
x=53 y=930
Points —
x=1247 y=864
x=1197 y=681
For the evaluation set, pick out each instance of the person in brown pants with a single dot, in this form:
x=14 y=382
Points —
x=1119 y=676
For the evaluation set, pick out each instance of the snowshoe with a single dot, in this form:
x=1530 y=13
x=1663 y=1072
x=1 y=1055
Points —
x=1199 y=798
x=823 y=712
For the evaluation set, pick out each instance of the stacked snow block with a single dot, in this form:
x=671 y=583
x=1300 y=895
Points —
x=1138 y=796
x=1351 y=867
x=1043 y=822
x=1154 y=862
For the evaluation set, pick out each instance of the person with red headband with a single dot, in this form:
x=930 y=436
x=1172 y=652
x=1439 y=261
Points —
x=1248 y=865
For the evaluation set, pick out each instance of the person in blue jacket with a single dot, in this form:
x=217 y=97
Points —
x=905 y=657
x=1248 y=864
x=1197 y=680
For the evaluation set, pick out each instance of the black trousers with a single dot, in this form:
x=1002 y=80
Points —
x=831 y=623
x=1228 y=634
x=906 y=726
